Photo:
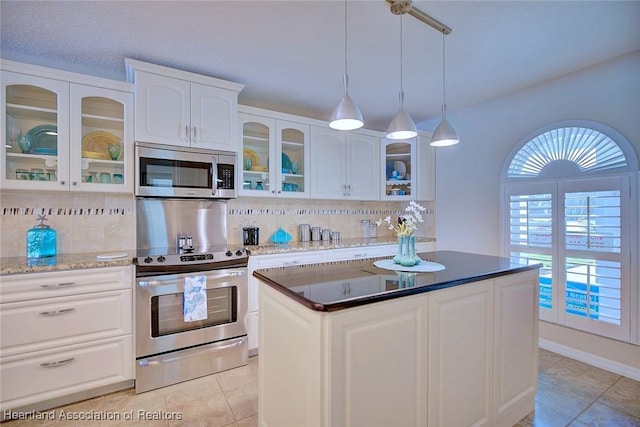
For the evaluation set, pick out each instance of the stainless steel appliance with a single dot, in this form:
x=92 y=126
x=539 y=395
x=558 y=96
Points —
x=180 y=241
x=166 y=171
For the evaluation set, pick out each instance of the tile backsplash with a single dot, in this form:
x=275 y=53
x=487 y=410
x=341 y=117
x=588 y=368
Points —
x=90 y=222
x=344 y=216
x=85 y=222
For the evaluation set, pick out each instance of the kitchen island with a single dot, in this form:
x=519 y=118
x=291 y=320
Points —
x=351 y=344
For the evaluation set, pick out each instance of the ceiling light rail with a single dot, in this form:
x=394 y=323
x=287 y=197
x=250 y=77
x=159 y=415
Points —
x=402 y=7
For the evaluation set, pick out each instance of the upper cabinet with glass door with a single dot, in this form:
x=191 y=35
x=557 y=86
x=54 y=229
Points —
x=35 y=128
x=63 y=135
x=398 y=161
x=275 y=160
x=101 y=139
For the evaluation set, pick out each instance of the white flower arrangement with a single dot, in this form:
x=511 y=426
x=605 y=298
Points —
x=408 y=222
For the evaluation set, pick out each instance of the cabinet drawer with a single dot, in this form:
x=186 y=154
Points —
x=41 y=324
x=360 y=253
x=22 y=287
x=51 y=374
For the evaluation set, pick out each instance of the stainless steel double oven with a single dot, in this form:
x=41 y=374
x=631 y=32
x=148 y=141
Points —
x=181 y=240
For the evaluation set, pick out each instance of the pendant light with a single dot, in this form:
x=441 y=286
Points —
x=346 y=116
x=402 y=125
x=444 y=134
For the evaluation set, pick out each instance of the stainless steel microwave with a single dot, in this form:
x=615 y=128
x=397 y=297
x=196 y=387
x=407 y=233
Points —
x=167 y=171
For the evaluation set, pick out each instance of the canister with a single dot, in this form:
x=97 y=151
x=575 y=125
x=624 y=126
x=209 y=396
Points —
x=316 y=233
x=366 y=228
x=326 y=234
x=305 y=232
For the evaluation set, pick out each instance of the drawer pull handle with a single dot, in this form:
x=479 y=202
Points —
x=57 y=312
x=290 y=263
x=360 y=256
x=56 y=285
x=58 y=363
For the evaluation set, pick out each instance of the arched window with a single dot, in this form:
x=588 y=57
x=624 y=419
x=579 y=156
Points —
x=566 y=202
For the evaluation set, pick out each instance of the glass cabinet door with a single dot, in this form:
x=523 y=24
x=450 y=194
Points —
x=293 y=144
x=257 y=154
x=99 y=149
x=35 y=143
x=398 y=158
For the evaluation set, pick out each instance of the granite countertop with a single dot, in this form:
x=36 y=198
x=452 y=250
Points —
x=19 y=265
x=345 y=284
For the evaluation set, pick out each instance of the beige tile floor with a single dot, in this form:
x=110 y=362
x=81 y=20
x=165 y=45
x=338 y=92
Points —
x=570 y=393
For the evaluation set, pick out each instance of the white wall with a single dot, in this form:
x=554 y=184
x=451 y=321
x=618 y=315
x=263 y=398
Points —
x=468 y=174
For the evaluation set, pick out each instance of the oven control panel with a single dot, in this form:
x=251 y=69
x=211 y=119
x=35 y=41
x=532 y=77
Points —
x=192 y=258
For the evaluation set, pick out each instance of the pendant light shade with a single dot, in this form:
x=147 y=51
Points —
x=444 y=134
x=402 y=125
x=347 y=115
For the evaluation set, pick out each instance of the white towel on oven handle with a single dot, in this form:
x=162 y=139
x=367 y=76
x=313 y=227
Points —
x=195 y=298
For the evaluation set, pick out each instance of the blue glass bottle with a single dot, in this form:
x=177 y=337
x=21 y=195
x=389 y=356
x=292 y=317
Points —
x=41 y=240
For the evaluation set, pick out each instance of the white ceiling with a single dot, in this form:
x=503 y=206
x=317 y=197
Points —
x=290 y=54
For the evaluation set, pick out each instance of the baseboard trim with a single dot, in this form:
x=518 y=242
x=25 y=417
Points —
x=591 y=359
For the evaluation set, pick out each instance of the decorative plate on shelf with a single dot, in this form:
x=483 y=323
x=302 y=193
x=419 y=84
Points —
x=249 y=153
x=44 y=137
x=286 y=163
x=95 y=145
x=401 y=167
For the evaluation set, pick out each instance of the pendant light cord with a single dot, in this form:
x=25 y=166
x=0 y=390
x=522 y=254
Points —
x=444 y=76
x=346 y=36
x=401 y=70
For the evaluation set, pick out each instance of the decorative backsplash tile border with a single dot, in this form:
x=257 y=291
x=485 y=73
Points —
x=276 y=211
x=65 y=211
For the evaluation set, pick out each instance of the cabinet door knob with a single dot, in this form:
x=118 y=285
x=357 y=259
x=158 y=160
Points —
x=63 y=182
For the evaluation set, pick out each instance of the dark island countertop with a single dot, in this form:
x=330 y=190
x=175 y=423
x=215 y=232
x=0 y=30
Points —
x=345 y=284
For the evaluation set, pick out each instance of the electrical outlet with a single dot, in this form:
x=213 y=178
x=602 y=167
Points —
x=111 y=230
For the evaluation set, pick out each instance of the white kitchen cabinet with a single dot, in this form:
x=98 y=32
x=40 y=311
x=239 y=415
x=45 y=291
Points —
x=184 y=109
x=515 y=346
x=343 y=164
x=275 y=156
x=474 y=343
x=460 y=340
x=398 y=165
x=69 y=332
x=426 y=169
x=70 y=126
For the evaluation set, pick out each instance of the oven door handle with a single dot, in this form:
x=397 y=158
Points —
x=146 y=362
x=170 y=284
